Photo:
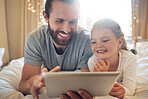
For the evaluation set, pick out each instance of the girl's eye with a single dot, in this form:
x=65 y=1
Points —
x=105 y=40
x=93 y=42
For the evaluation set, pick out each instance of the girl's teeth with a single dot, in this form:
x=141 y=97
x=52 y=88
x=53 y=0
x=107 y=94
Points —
x=100 y=51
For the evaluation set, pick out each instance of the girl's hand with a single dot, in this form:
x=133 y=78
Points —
x=117 y=91
x=101 y=66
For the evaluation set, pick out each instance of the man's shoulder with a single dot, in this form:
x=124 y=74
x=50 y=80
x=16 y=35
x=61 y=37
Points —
x=40 y=32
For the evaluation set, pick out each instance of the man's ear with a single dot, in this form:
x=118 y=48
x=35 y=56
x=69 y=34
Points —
x=45 y=17
x=121 y=40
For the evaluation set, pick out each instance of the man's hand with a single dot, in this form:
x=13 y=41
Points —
x=117 y=91
x=101 y=66
x=38 y=82
x=81 y=94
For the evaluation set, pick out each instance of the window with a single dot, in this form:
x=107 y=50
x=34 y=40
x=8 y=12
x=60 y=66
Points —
x=118 y=10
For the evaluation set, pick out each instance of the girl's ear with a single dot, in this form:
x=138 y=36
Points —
x=45 y=17
x=120 y=42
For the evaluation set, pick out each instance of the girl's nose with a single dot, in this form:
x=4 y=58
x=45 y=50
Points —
x=99 y=44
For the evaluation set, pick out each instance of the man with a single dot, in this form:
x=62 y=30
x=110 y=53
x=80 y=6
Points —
x=58 y=46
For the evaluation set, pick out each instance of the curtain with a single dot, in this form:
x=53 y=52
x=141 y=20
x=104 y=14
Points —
x=31 y=18
x=17 y=19
x=140 y=18
x=3 y=32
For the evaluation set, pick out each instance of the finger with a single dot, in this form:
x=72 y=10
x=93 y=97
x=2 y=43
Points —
x=94 y=70
x=97 y=68
x=100 y=65
x=117 y=85
x=102 y=62
x=115 y=89
x=36 y=82
x=122 y=92
x=56 y=69
x=73 y=95
x=104 y=66
x=41 y=84
x=84 y=94
x=64 y=96
x=41 y=79
x=121 y=96
x=117 y=93
x=107 y=62
x=44 y=70
x=34 y=93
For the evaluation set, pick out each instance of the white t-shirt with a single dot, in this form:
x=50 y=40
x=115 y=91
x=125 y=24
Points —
x=127 y=68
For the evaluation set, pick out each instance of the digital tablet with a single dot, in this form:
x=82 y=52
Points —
x=96 y=83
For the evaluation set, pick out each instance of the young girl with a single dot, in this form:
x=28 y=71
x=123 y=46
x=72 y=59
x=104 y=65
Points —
x=111 y=54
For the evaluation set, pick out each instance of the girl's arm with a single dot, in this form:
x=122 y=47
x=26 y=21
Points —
x=129 y=76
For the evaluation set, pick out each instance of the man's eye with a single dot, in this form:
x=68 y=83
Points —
x=60 y=21
x=93 y=42
x=73 y=22
x=105 y=40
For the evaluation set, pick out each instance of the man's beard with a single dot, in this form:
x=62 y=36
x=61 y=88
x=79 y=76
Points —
x=61 y=42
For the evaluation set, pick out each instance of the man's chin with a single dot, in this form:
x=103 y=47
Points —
x=62 y=43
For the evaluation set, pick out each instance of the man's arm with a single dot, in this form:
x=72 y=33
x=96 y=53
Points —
x=29 y=74
x=32 y=80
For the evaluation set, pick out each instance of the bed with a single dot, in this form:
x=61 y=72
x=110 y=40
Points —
x=10 y=77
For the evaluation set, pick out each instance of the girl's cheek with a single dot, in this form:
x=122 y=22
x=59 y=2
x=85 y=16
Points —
x=92 y=48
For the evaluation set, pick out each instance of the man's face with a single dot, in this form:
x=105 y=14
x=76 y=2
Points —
x=63 y=21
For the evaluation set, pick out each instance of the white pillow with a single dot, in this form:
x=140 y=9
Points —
x=2 y=50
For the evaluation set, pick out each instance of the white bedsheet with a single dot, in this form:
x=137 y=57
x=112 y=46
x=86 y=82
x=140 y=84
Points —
x=9 y=80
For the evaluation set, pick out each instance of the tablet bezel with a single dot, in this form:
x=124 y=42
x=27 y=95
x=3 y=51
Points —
x=84 y=80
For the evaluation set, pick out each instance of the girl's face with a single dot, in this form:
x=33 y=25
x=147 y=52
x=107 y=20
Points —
x=104 y=44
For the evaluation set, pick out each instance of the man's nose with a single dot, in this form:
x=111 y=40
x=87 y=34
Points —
x=66 y=28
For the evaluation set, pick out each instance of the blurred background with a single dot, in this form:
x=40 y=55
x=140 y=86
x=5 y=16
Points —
x=19 y=17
